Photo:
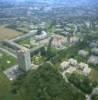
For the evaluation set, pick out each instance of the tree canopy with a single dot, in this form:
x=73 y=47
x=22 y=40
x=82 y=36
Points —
x=47 y=84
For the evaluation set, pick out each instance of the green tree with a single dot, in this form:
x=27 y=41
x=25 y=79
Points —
x=47 y=84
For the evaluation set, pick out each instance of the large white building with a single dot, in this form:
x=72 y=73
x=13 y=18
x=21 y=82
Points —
x=41 y=36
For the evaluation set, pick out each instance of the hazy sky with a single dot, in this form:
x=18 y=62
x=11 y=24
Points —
x=67 y=2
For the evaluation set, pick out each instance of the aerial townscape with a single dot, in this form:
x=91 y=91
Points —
x=48 y=50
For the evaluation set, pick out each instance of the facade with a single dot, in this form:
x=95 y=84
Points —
x=24 y=59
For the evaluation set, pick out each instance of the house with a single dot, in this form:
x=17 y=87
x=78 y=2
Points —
x=85 y=69
x=93 y=60
x=83 y=53
x=58 y=41
x=64 y=65
x=66 y=68
x=73 y=62
x=94 y=44
x=94 y=51
x=74 y=40
x=83 y=65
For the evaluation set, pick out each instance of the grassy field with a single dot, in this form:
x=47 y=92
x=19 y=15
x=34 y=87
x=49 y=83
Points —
x=26 y=43
x=94 y=75
x=6 y=61
x=6 y=33
x=5 y=88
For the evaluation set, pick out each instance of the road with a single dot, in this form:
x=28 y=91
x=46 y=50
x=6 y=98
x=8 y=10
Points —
x=22 y=37
x=6 y=51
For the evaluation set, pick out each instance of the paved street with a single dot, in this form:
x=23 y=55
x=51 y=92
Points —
x=8 y=52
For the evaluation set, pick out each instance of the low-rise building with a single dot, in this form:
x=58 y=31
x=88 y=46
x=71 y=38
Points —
x=82 y=65
x=83 y=53
x=64 y=65
x=70 y=70
x=84 y=68
x=93 y=60
x=94 y=51
x=74 y=40
x=86 y=71
x=58 y=41
x=73 y=62
x=94 y=44
x=72 y=65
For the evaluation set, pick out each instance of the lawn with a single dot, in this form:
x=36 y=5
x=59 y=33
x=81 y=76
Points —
x=5 y=88
x=27 y=43
x=94 y=75
x=6 y=61
x=6 y=33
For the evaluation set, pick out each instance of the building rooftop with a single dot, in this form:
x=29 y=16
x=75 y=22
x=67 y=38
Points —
x=23 y=50
x=73 y=62
x=93 y=60
x=94 y=51
x=83 y=53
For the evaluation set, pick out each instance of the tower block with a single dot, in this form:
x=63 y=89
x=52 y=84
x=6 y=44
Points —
x=24 y=59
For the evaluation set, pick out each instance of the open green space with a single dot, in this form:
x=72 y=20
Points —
x=6 y=61
x=19 y=28
x=45 y=84
x=6 y=33
x=26 y=43
x=51 y=29
x=42 y=84
x=5 y=87
x=94 y=75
